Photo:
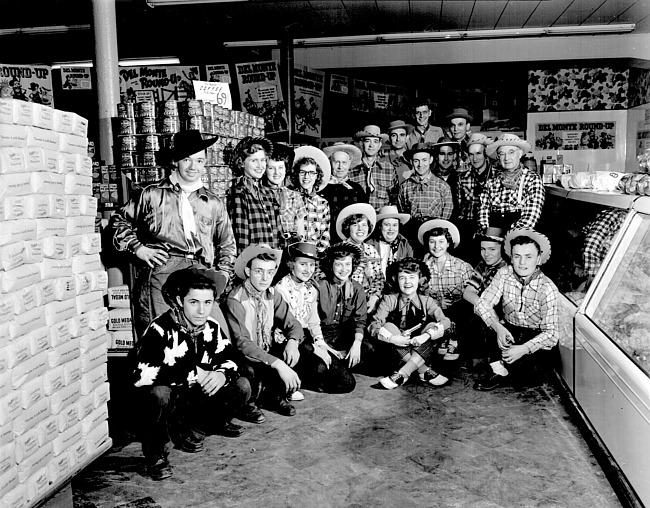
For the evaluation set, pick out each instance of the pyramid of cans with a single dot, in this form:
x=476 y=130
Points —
x=146 y=128
x=53 y=339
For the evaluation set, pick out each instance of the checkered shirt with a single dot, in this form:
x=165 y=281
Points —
x=255 y=214
x=483 y=275
x=497 y=198
x=292 y=207
x=531 y=305
x=369 y=273
x=317 y=220
x=469 y=187
x=428 y=198
x=449 y=282
x=384 y=179
x=599 y=234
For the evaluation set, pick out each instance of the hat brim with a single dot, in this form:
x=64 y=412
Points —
x=542 y=240
x=440 y=223
x=251 y=252
x=453 y=144
x=295 y=252
x=354 y=209
x=363 y=135
x=523 y=145
x=408 y=154
x=179 y=153
x=469 y=118
x=403 y=218
x=321 y=159
x=407 y=127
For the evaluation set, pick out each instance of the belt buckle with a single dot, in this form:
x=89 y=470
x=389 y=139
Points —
x=189 y=256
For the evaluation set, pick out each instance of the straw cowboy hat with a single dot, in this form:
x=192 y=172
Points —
x=303 y=250
x=460 y=113
x=479 y=139
x=439 y=223
x=321 y=159
x=356 y=208
x=251 y=252
x=542 y=241
x=400 y=124
x=445 y=141
x=371 y=131
x=351 y=150
x=490 y=235
x=418 y=148
x=391 y=212
x=186 y=143
x=508 y=140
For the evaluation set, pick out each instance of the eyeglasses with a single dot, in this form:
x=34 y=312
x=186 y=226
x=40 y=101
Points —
x=310 y=174
x=510 y=154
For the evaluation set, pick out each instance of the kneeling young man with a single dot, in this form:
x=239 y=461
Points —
x=185 y=370
x=529 y=301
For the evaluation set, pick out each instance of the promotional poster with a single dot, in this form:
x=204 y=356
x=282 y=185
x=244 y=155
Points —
x=308 y=97
x=218 y=72
x=157 y=83
x=75 y=78
x=587 y=135
x=31 y=83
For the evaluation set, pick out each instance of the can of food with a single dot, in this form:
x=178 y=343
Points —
x=207 y=109
x=170 y=125
x=126 y=110
x=146 y=125
x=168 y=108
x=129 y=143
x=146 y=109
x=155 y=173
x=127 y=126
x=149 y=158
x=194 y=123
x=193 y=107
x=207 y=125
x=138 y=175
x=260 y=122
x=150 y=143
x=112 y=173
x=127 y=159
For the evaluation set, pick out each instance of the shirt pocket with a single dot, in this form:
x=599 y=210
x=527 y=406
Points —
x=204 y=224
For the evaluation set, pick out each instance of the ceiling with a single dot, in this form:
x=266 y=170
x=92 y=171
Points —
x=196 y=33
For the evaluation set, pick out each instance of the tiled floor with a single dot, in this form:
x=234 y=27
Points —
x=410 y=447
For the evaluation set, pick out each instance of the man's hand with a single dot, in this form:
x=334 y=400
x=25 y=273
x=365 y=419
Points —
x=211 y=382
x=288 y=376
x=323 y=354
x=354 y=355
x=153 y=257
x=291 y=353
x=400 y=340
x=513 y=353
x=504 y=337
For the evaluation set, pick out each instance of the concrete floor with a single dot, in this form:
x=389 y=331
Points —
x=410 y=447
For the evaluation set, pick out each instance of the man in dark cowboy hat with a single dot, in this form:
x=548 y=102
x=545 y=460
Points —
x=398 y=133
x=175 y=224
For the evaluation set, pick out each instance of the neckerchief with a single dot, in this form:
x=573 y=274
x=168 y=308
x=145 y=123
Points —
x=339 y=181
x=262 y=336
x=187 y=213
x=510 y=179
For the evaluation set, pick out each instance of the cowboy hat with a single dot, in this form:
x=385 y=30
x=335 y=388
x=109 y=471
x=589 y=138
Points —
x=186 y=143
x=351 y=150
x=445 y=141
x=539 y=238
x=251 y=252
x=391 y=212
x=321 y=159
x=508 y=140
x=303 y=250
x=282 y=151
x=460 y=113
x=490 y=235
x=244 y=145
x=371 y=131
x=479 y=139
x=418 y=148
x=356 y=208
x=400 y=124
x=440 y=223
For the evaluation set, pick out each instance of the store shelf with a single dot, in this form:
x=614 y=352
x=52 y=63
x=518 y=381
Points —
x=118 y=353
x=556 y=190
x=613 y=199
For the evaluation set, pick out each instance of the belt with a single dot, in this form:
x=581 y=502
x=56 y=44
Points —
x=185 y=255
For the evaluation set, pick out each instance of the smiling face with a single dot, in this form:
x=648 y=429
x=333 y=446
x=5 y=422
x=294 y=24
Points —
x=438 y=246
x=422 y=114
x=422 y=163
x=371 y=146
x=275 y=172
x=525 y=259
x=459 y=128
x=307 y=176
x=191 y=168
x=398 y=139
x=342 y=268
x=302 y=268
x=509 y=157
x=476 y=155
x=408 y=282
x=255 y=165
x=446 y=157
x=359 y=231
x=389 y=229
x=340 y=164
x=261 y=273
x=490 y=252
x=197 y=305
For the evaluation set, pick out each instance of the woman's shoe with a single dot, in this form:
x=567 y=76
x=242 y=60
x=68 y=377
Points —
x=296 y=396
x=431 y=377
x=393 y=381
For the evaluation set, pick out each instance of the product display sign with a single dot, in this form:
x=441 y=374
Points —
x=339 y=84
x=261 y=95
x=31 y=83
x=214 y=93
x=588 y=135
x=75 y=78
x=161 y=82
x=308 y=107
x=219 y=73
x=369 y=97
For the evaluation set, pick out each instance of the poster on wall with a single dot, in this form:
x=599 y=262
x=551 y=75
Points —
x=157 y=82
x=75 y=78
x=339 y=84
x=218 y=73
x=308 y=97
x=213 y=92
x=591 y=135
x=261 y=95
x=368 y=96
x=31 y=83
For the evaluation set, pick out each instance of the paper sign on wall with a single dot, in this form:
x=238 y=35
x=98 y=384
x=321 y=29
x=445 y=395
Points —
x=31 y=83
x=214 y=93
x=219 y=73
x=75 y=78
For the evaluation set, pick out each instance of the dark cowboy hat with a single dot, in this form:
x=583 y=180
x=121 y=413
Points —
x=490 y=235
x=460 y=113
x=445 y=141
x=400 y=124
x=303 y=250
x=186 y=143
x=170 y=289
x=417 y=148
x=539 y=238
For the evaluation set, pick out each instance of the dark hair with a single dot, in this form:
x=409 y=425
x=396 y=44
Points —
x=355 y=218
x=410 y=265
x=377 y=233
x=181 y=282
x=422 y=101
x=339 y=251
x=280 y=155
x=247 y=146
x=264 y=256
x=524 y=240
x=438 y=232
x=301 y=163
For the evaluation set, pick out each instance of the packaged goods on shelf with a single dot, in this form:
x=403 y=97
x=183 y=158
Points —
x=119 y=297
x=120 y=319
x=122 y=339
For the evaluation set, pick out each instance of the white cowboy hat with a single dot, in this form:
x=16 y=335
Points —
x=479 y=139
x=542 y=241
x=351 y=150
x=391 y=212
x=439 y=223
x=490 y=235
x=508 y=140
x=321 y=159
x=362 y=208
x=371 y=131
x=251 y=252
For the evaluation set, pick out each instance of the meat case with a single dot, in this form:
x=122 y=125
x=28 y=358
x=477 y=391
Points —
x=605 y=321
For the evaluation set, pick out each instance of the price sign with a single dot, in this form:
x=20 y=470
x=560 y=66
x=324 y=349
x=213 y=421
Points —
x=213 y=92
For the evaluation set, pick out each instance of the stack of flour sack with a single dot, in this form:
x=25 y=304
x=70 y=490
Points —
x=53 y=338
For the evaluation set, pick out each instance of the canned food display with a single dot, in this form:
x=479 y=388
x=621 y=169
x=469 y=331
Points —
x=126 y=110
x=150 y=143
x=129 y=143
x=146 y=109
x=149 y=159
x=127 y=160
x=168 y=108
x=193 y=107
x=170 y=125
x=127 y=126
x=146 y=125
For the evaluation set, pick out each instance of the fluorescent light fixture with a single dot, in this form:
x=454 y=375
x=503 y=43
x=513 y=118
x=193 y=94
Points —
x=58 y=65
x=44 y=30
x=134 y=62
x=156 y=3
x=252 y=44
x=590 y=29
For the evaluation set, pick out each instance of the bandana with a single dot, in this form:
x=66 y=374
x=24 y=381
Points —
x=510 y=179
x=187 y=213
x=263 y=336
x=339 y=181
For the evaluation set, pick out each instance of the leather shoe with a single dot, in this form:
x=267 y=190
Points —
x=229 y=429
x=250 y=413
x=490 y=382
x=282 y=407
x=160 y=469
x=187 y=441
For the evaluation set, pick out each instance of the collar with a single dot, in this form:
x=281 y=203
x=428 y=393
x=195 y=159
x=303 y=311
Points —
x=531 y=280
x=419 y=129
x=269 y=294
x=416 y=177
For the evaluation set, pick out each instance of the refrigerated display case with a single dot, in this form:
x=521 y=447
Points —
x=605 y=319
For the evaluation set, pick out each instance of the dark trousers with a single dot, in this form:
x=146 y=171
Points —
x=318 y=377
x=173 y=411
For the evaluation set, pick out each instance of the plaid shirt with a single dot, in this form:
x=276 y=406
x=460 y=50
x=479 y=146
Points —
x=470 y=185
x=531 y=305
x=449 y=282
x=425 y=198
x=369 y=273
x=527 y=198
x=255 y=214
x=599 y=234
x=292 y=207
x=317 y=220
x=483 y=275
x=384 y=179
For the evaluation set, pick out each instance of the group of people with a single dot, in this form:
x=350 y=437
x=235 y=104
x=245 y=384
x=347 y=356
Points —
x=319 y=264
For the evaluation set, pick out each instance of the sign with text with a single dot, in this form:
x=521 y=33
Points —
x=368 y=96
x=575 y=136
x=261 y=95
x=214 y=93
x=162 y=82
x=75 y=78
x=308 y=107
x=339 y=84
x=31 y=83
x=218 y=72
